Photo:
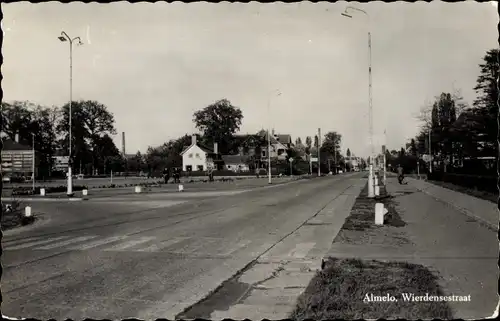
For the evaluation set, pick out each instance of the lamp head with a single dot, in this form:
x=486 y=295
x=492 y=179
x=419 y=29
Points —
x=346 y=15
x=63 y=39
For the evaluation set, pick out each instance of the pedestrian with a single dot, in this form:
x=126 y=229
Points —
x=166 y=174
x=401 y=176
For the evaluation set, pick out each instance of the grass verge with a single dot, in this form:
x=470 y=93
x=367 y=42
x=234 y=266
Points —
x=339 y=292
x=359 y=227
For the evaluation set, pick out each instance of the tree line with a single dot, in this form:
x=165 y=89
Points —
x=93 y=149
x=461 y=138
x=94 y=152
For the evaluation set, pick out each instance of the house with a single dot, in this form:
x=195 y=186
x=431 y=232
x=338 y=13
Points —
x=197 y=157
x=279 y=145
x=236 y=163
x=17 y=159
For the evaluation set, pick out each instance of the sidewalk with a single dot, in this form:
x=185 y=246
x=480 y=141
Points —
x=482 y=210
x=459 y=250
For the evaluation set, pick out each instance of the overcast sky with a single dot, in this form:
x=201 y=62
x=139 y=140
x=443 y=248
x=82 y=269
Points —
x=153 y=65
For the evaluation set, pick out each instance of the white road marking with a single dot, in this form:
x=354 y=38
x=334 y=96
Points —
x=30 y=244
x=67 y=242
x=198 y=244
x=157 y=247
x=129 y=244
x=301 y=250
x=235 y=248
x=98 y=243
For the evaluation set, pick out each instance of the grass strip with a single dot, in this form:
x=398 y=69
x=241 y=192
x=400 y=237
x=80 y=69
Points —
x=339 y=292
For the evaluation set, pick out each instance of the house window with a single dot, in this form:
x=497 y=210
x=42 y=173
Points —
x=200 y=167
x=189 y=168
x=280 y=151
x=263 y=153
x=190 y=155
x=197 y=155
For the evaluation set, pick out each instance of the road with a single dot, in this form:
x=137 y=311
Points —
x=150 y=255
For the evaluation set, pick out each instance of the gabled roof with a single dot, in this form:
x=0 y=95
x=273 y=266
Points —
x=277 y=138
x=234 y=159
x=9 y=144
x=202 y=147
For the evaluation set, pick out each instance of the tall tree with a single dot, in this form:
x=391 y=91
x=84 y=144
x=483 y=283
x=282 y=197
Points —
x=91 y=120
x=218 y=122
x=487 y=100
x=348 y=153
x=316 y=140
x=331 y=143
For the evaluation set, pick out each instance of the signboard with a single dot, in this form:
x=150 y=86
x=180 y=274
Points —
x=60 y=163
x=314 y=159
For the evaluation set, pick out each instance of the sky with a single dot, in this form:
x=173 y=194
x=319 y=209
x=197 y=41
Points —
x=154 y=65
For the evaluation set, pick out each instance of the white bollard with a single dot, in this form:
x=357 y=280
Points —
x=380 y=211
x=42 y=191
x=138 y=189
x=376 y=181
x=377 y=190
x=27 y=211
x=85 y=192
x=181 y=187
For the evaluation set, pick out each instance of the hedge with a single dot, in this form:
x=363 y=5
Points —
x=480 y=182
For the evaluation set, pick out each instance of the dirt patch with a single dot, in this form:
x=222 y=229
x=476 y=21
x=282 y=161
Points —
x=341 y=290
x=359 y=227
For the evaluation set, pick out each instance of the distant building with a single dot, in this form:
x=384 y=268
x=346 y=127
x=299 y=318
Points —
x=236 y=163
x=197 y=157
x=17 y=159
x=280 y=143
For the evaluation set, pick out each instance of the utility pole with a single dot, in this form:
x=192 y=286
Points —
x=430 y=152
x=319 y=147
x=33 y=162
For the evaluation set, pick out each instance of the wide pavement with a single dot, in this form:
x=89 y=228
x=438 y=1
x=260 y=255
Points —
x=149 y=255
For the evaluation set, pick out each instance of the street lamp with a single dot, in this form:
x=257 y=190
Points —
x=64 y=37
x=371 y=180
x=277 y=93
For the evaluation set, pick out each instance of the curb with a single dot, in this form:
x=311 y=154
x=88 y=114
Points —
x=71 y=199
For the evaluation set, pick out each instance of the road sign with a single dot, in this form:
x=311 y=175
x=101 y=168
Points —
x=290 y=159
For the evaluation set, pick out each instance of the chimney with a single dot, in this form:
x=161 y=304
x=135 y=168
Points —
x=123 y=143
x=216 y=149
x=17 y=138
x=193 y=139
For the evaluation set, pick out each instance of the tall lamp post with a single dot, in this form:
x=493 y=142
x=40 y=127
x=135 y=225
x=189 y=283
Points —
x=64 y=37
x=277 y=93
x=371 y=179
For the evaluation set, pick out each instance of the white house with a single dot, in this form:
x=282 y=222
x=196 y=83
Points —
x=198 y=157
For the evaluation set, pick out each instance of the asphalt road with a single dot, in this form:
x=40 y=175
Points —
x=149 y=255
